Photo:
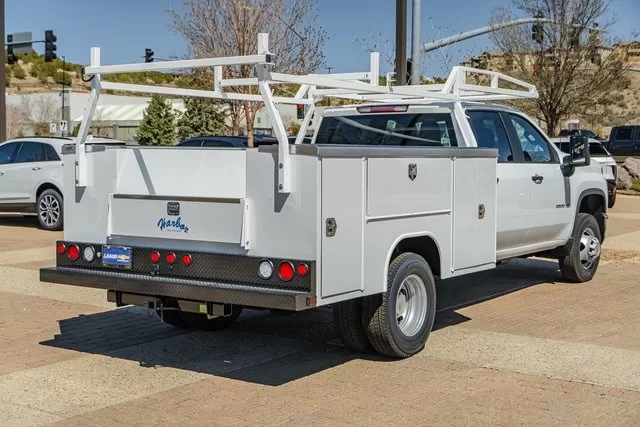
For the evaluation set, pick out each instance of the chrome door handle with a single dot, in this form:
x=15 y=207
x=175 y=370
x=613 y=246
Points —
x=537 y=179
x=36 y=168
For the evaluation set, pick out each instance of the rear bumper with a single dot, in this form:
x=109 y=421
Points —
x=179 y=288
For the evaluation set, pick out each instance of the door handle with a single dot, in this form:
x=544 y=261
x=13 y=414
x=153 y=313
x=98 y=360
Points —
x=537 y=179
x=36 y=168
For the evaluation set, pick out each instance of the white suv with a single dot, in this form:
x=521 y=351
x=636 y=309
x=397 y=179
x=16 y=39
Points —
x=31 y=177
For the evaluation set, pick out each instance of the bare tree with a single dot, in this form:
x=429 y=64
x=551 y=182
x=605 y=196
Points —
x=230 y=28
x=574 y=69
x=38 y=111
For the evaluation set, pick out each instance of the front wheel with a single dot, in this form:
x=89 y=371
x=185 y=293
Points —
x=583 y=260
x=399 y=321
x=49 y=209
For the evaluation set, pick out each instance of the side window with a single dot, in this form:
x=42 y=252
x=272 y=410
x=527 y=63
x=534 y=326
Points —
x=624 y=134
x=534 y=146
x=490 y=133
x=31 y=152
x=50 y=152
x=7 y=152
x=191 y=143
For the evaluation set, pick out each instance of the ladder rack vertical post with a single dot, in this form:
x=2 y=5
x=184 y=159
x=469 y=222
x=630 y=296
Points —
x=374 y=60
x=89 y=111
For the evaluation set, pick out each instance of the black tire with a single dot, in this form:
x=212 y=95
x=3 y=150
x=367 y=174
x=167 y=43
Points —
x=571 y=266
x=50 y=210
x=347 y=318
x=379 y=312
x=187 y=320
x=612 y=199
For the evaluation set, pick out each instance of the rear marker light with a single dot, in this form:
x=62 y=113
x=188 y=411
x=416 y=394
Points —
x=265 y=270
x=384 y=109
x=73 y=252
x=186 y=260
x=155 y=257
x=286 y=271
x=171 y=258
x=89 y=254
x=61 y=248
x=302 y=270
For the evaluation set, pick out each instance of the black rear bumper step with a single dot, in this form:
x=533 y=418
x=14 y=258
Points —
x=171 y=287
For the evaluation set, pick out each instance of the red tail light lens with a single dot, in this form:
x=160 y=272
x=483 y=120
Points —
x=73 y=252
x=61 y=248
x=155 y=256
x=302 y=270
x=186 y=260
x=286 y=271
x=171 y=258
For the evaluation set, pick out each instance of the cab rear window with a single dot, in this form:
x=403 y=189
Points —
x=406 y=129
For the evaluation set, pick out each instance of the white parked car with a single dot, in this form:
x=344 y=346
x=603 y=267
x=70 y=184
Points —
x=31 y=177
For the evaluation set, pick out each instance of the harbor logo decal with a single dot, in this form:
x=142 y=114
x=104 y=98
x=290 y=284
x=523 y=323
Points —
x=173 y=225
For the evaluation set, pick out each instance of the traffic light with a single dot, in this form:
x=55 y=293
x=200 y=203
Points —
x=50 y=47
x=537 y=33
x=11 y=57
x=148 y=55
x=300 y=110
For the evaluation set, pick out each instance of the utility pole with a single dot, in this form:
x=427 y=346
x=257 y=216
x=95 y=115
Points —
x=401 y=42
x=415 y=43
x=64 y=73
x=3 y=83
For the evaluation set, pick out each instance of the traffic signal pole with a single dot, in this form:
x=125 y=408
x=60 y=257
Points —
x=3 y=82
x=401 y=42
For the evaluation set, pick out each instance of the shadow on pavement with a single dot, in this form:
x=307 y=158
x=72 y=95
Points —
x=264 y=348
x=11 y=220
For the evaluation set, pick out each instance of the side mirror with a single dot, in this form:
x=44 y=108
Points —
x=579 y=153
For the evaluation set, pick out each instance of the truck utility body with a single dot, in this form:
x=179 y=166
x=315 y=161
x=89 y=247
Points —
x=418 y=182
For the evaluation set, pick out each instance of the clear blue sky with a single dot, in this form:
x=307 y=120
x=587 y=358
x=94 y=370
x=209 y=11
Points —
x=124 y=28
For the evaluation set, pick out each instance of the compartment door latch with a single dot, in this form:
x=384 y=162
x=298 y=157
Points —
x=331 y=227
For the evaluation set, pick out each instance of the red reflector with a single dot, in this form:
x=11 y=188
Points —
x=155 y=256
x=171 y=258
x=286 y=271
x=73 y=252
x=60 y=248
x=383 y=109
x=186 y=259
x=302 y=270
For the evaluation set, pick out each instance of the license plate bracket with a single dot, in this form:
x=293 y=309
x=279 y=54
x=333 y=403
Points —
x=116 y=256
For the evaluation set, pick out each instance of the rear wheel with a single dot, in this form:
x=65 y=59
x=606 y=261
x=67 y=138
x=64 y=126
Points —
x=399 y=321
x=187 y=320
x=583 y=260
x=347 y=318
x=49 y=209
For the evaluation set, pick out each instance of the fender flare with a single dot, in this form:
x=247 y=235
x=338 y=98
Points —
x=397 y=241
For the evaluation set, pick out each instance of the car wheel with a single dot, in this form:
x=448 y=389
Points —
x=49 y=208
x=583 y=260
x=399 y=321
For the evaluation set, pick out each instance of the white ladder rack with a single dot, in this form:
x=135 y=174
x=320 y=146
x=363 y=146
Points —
x=363 y=86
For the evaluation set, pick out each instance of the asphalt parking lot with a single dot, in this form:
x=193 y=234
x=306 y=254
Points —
x=515 y=346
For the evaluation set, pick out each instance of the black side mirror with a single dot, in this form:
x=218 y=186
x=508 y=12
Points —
x=579 y=152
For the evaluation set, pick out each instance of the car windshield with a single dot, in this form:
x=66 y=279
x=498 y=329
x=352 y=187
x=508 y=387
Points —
x=408 y=129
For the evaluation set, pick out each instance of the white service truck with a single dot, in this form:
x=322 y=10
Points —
x=411 y=184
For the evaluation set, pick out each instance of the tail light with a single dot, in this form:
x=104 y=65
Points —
x=186 y=260
x=61 y=248
x=171 y=258
x=302 y=270
x=73 y=252
x=155 y=257
x=286 y=271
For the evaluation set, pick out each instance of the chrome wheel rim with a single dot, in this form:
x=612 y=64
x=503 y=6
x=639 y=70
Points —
x=589 y=248
x=411 y=305
x=49 y=210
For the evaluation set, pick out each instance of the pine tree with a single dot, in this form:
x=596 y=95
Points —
x=202 y=117
x=158 y=125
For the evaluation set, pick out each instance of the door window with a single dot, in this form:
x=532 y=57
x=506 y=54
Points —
x=534 y=146
x=490 y=133
x=31 y=152
x=624 y=134
x=51 y=154
x=7 y=152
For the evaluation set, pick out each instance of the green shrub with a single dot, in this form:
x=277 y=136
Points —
x=635 y=185
x=61 y=77
x=19 y=73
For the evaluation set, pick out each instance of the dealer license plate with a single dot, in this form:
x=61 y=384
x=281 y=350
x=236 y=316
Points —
x=116 y=256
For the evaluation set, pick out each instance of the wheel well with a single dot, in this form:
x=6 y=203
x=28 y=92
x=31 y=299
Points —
x=424 y=246
x=47 y=186
x=594 y=204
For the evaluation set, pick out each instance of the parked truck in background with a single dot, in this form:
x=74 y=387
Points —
x=415 y=184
